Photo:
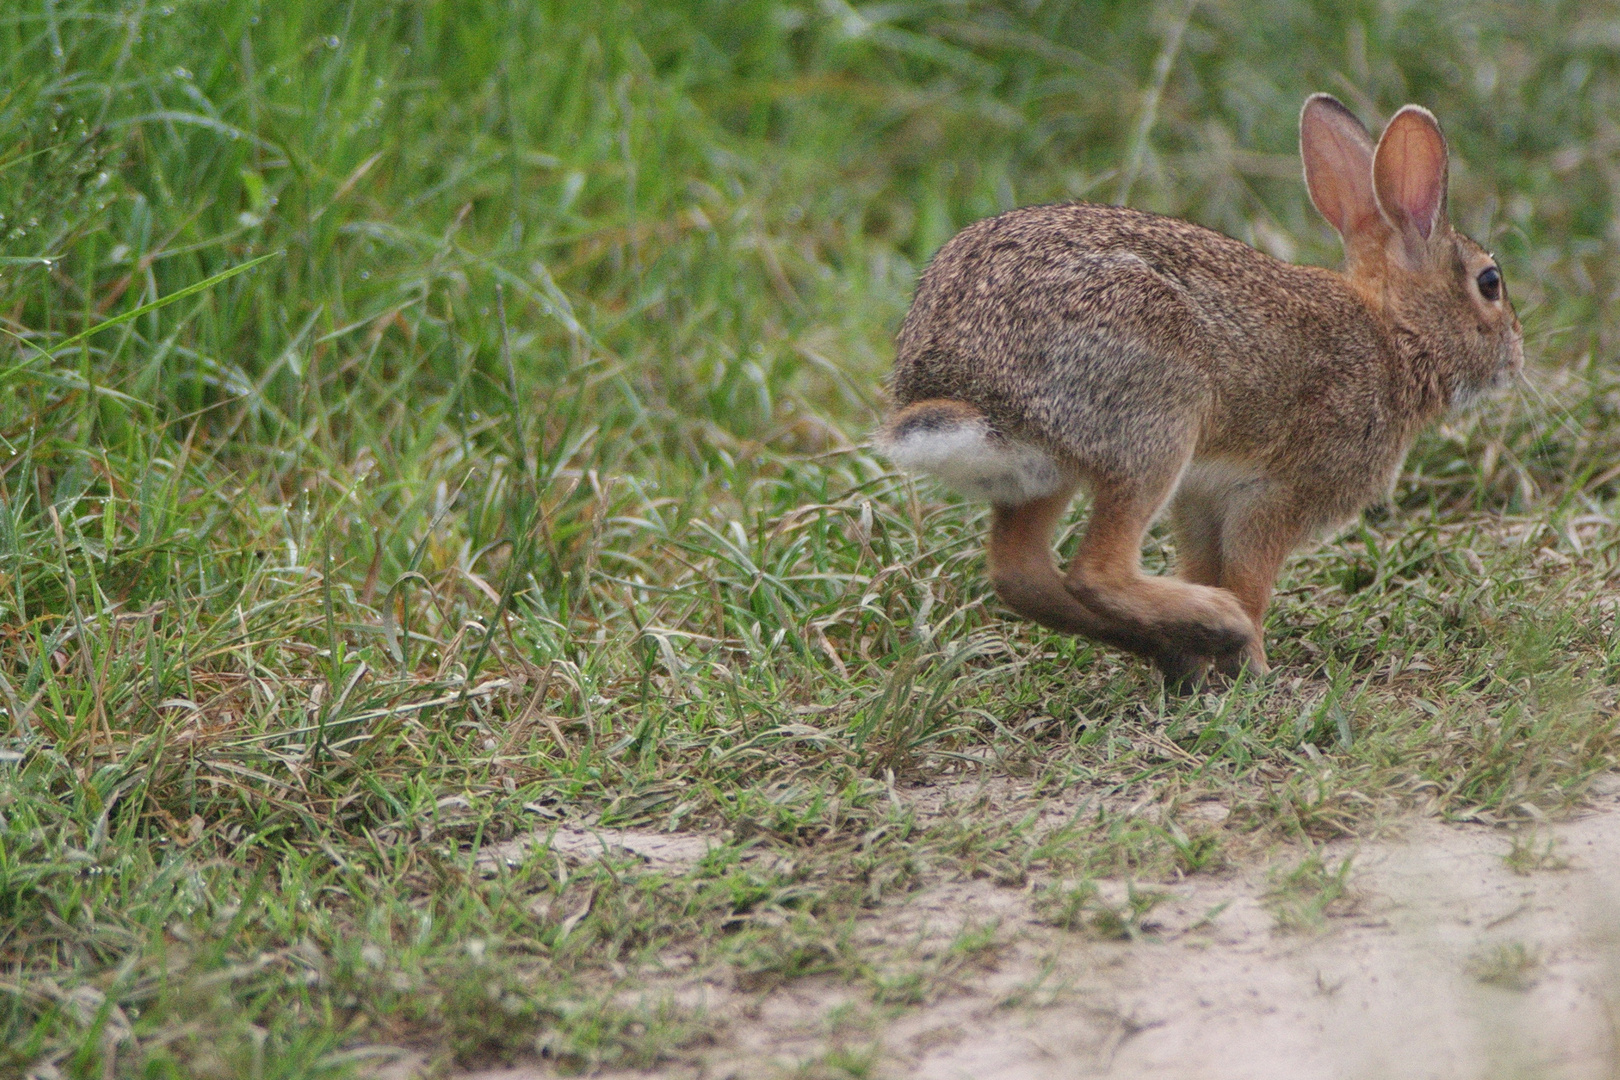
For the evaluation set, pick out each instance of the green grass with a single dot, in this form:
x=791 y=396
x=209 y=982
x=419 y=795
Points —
x=1511 y=966
x=525 y=484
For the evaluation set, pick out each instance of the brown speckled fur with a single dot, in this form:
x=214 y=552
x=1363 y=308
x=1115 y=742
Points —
x=1159 y=362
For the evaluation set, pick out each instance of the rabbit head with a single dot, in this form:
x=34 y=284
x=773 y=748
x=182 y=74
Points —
x=1442 y=294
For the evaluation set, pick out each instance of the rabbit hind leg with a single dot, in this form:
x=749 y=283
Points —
x=1026 y=578
x=1183 y=621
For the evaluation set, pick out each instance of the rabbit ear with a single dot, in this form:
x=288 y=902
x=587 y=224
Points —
x=1409 y=175
x=1338 y=156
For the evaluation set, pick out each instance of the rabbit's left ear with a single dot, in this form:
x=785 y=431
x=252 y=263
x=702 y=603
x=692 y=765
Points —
x=1338 y=154
x=1409 y=175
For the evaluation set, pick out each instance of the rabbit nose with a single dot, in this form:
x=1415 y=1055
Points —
x=1515 y=353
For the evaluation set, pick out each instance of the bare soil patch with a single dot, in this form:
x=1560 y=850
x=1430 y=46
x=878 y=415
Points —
x=1443 y=961
x=1452 y=965
x=580 y=843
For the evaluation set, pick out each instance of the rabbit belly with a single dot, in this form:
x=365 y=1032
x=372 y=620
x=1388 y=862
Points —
x=961 y=450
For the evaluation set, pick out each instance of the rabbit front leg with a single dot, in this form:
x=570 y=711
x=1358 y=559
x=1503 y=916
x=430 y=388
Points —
x=1195 y=522
x=1256 y=538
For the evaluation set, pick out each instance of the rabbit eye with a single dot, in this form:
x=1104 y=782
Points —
x=1490 y=283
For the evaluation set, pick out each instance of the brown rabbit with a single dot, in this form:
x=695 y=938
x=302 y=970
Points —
x=1155 y=362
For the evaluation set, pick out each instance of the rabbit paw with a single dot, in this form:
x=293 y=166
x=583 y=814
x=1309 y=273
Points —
x=1184 y=672
x=1251 y=657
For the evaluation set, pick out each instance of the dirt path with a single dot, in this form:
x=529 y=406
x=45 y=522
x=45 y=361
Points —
x=1449 y=965
x=1395 y=991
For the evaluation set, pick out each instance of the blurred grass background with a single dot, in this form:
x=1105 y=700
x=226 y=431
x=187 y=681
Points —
x=526 y=482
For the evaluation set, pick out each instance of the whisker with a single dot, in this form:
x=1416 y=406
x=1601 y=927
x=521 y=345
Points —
x=1553 y=408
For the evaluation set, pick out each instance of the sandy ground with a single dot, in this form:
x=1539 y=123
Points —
x=1396 y=987
x=1394 y=991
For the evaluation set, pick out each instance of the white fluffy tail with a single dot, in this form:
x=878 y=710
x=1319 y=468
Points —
x=954 y=443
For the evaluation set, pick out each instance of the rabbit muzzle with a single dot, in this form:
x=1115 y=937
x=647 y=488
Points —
x=1466 y=393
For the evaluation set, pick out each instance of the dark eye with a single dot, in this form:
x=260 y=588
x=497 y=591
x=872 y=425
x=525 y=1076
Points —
x=1490 y=283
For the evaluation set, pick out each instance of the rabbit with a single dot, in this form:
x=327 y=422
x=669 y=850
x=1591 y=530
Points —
x=1156 y=363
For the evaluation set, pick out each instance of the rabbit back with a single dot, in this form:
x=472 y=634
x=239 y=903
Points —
x=1119 y=343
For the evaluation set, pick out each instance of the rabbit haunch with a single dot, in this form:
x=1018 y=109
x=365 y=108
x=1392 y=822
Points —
x=1163 y=366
